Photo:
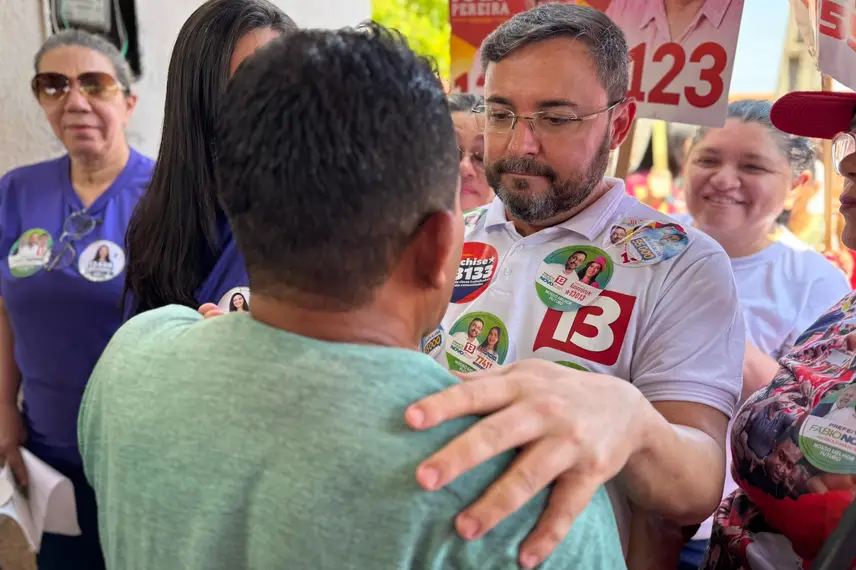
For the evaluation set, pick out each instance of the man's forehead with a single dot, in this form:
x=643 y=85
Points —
x=556 y=69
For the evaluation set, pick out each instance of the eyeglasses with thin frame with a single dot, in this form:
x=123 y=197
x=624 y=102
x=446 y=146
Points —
x=843 y=145
x=54 y=87
x=500 y=120
x=77 y=226
x=476 y=158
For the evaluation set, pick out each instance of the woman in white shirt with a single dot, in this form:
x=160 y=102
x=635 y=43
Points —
x=737 y=179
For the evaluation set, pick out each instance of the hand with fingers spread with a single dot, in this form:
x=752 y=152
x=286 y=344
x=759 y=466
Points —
x=577 y=429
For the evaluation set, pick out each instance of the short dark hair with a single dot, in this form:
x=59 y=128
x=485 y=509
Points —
x=173 y=241
x=333 y=148
x=603 y=38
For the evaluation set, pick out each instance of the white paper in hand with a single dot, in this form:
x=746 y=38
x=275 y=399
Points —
x=48 y=505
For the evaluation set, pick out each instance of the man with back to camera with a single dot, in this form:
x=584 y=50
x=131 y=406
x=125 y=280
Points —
x=664 y=338
x=277 y=439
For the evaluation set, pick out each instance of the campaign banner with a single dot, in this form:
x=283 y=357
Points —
x=836 y=39
x=472 y=21
x=681 y=63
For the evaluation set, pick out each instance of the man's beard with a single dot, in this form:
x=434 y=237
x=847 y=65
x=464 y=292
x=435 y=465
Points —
x=561 y=196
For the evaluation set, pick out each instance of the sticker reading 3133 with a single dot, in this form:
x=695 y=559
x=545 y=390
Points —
x=475 y=271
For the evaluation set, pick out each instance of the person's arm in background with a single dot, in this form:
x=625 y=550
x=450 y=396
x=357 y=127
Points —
x=758 y=370
x=12 y=431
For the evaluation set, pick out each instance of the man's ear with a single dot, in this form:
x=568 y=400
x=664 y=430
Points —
x=622 y=118
x=437 y=249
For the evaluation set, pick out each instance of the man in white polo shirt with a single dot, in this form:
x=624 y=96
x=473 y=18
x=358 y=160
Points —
x=654 y=314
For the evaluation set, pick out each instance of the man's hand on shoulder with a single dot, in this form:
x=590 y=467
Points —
x=576 y=428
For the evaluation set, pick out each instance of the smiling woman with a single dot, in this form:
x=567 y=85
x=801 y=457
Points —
x=737 y=180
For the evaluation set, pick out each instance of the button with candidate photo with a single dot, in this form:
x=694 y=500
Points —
x=236 y=300
x=477 y=341
x=30 y=252
x=654 y=245
x=101 y=261
x=573 y=276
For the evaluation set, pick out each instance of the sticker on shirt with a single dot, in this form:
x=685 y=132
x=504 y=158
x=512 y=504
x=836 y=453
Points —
x=618 y=233
x=477 y=341
x=101 y=261
x=236 y=300
x=432 y=344
x=472 y=217
x=828 y=436
x=573 y=276
x=652 y=245
x=475 y=271
x=573 y=365
x=30 y=252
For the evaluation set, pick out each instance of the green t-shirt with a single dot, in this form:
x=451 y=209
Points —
x=227 y=444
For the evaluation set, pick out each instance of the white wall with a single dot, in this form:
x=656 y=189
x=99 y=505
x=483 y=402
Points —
x=25 y=135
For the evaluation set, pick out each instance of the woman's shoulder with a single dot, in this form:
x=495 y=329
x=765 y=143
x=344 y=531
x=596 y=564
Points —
x=808 y=265
x=142 y=161
x=34 y=173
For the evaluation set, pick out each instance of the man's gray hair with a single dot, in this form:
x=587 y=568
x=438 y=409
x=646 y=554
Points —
x=603 y=38
x=81 y=38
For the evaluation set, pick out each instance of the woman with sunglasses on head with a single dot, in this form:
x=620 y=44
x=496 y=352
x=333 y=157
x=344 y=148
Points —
x=58 y=209
x=180 y=246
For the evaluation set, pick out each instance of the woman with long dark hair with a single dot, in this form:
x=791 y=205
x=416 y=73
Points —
x=238 y=304
x=180 y=246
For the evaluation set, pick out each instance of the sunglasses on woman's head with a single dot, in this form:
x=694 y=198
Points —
x=50 y=87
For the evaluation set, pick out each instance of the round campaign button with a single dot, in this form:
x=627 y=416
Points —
x=652 y=245
x=475 y=271
x=472 y=217
x=101 y=261
x=477 y=341
x=827 y=438
x=236 y=300
x=573 y=276
x=30 y=252
x=618 y=233
x=573 y=365
x=432 y=344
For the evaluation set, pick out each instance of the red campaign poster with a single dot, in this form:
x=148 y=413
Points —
x=835 y=32
x=680 y=67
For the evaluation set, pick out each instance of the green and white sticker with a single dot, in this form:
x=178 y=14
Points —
x=30 y=252
x=828 y=435
x=573 y=365
x=477 y=341
x=573 y=276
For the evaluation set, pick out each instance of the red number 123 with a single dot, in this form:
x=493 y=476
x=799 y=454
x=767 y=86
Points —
x=659 y=94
